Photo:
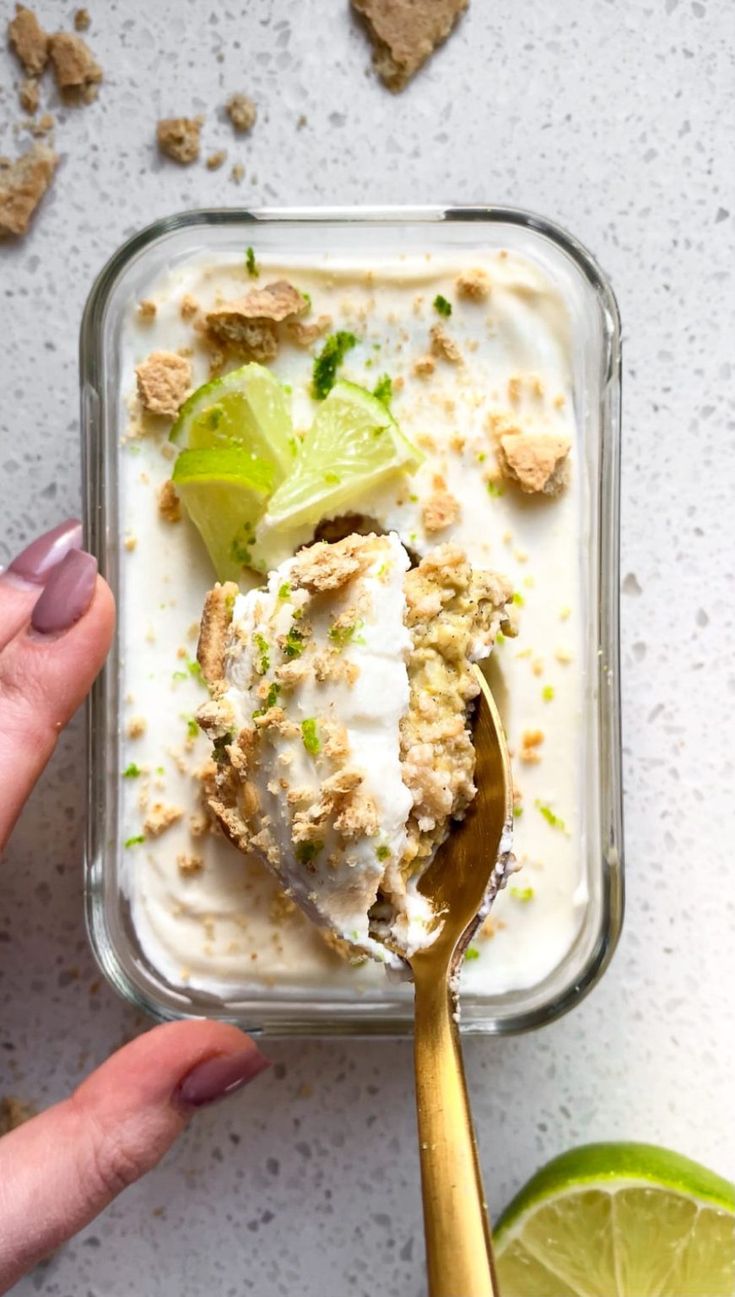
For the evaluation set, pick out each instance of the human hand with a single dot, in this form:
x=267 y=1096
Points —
x=60 y=1169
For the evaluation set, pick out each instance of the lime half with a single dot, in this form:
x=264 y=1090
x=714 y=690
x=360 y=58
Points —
x=353 y=444
x=247 y=407
x=619 y=1220
x=224 y=493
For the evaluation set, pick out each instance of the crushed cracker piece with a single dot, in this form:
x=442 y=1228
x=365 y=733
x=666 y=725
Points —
x=237 y=173
x=22 y=186
x=137 y=727
x=169 y=505
x=216 y=160
x=242 y=112
x=28 y=95
x=163 y=381
x=179 y=138
x=424 y=366
x=82 y=20
x=405 y=33
x=29 y=41
x=444 y=346
x=189 y=307
x=304 y=334
x=473 y=284
x=160 y=817
x=147 y=310
x=189 y=865
x=75 y=68
x=130 y=542
x=440 y=511
x=536 y=462
x=249 y=323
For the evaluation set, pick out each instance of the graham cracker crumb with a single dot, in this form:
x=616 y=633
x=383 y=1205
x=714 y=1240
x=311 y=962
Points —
x=179 y=138
x=137 y=727
x=405 y=33
x=29 y=40
x=130 y=542
x=82 y=20
x=242 y=112
x=160 y=817
x=444 y=346
x=22 y=186
x=424 y=366
x=249 y=322
x=189 y=307
x=473 y=284
x=147 y=310
x=163 y=381
x=237 y=173
x=440 y=511
x=169 y=505
x=189 y=865
x=28 y=95
x=75 y=68
x=216 y=160
x=537 y=462
x=43 y=126
x=531 y=741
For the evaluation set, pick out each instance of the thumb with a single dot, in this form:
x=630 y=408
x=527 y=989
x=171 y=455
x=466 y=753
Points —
x=63 y=1167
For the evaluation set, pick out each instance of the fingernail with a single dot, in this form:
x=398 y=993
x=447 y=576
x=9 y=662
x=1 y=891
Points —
x=219 y=1076
x=67 y=593
x=38 y=559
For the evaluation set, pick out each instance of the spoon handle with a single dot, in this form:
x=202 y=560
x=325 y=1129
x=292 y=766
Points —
x=458 y=1242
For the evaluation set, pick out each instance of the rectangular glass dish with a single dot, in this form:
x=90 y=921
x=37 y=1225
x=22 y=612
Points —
x=391 y=242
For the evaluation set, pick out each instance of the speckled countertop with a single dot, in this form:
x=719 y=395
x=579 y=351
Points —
x=618 y=122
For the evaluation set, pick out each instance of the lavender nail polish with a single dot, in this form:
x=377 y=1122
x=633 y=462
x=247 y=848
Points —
x=37 y=560
x=219 y=1076
x=67 y=593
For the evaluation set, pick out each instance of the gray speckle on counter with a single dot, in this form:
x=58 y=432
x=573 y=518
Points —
x=618 y=122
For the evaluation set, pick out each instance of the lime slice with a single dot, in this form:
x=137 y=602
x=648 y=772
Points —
x=225 y=493
x=619 y=1220
x=353 y=444
x=247 y=407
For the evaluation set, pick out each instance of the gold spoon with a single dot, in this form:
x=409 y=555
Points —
x=461 y=883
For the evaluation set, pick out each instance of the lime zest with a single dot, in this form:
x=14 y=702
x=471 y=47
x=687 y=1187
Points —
x=326 y=364
x=131 y=771
x=293 y=645
x=251 y=264
x=472 y=952
x=135 y=841
x=554 y=820
x=442 y=306
x=547 y=693
x=383 y=390
x=309 y=736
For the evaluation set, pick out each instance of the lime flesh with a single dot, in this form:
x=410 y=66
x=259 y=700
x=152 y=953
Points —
x=619 y=1220
x=248 y=408
x=353 y=444
x=224 y=493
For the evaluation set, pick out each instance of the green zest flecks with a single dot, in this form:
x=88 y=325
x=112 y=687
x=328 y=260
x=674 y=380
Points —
x=549 y=816
x=132 y=771
x=309 y=736
x=264 y=652
x=324 y=373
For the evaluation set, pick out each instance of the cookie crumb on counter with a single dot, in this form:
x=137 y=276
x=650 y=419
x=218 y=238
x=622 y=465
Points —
x=169 y=505
x=82 y=20
x=163 y=381
x=147 y=310
x=216 y=160
x=473 y=284
x=179 y=138
x=29 y=40
x=43 y=126
x=189 y=865
x=242 y=112
x=137 y=727
x=536 y=462
x=28 y=95
x=405 y=33
x=237 y=173
x=440 y=510
x=14 y=1113
x=160 y=817
x=444 y=346
x=22 y=186
x=75 y=68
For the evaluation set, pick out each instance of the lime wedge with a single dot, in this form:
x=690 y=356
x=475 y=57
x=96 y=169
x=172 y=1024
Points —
x=353 y=444
x=619 y=1220
x=247 y=407
x=225 y=493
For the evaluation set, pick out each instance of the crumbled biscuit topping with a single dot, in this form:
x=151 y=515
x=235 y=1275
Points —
x=169 y=505
x=22 y=186
x=242 y=112
x=179 y=138
x=405 y=33
x=440 y=510
x=249 y=324
x=537 y=462
x=444 y=346
x=163 y=382
x=160 y=817
x=29 y=40
x=473 y=284
x=75 y=68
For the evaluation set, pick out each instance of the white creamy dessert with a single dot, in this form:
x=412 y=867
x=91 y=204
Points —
x=339 y=716
x=207 y=917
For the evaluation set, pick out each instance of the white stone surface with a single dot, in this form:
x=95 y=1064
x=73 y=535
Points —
x=618 y=121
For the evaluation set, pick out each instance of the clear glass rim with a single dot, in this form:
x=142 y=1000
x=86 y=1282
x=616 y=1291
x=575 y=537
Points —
x=608 y=634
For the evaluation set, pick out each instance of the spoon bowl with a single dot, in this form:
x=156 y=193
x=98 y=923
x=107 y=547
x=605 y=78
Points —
x=465 y=876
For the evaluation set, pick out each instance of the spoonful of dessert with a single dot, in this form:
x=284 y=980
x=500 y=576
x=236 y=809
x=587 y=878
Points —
x=460 y=885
